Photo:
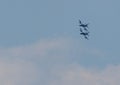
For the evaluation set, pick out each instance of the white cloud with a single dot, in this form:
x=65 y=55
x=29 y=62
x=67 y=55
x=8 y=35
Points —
x=45 y=63
x=78 y=75
x=19 y=66
x=17 y=72
x=39 y=49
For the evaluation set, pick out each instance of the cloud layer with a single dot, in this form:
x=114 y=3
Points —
x=51 y=62
x=78 y=75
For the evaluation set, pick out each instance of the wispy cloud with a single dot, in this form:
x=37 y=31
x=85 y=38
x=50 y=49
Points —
x=39 y=49
x=77 y=75
x=17 y=72
x=46 y=63
x=26 y=65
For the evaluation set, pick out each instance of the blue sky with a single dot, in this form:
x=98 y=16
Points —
x=40 y=42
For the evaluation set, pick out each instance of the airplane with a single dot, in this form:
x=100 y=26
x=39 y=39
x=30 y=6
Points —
x=83 y=25
x=85 y=34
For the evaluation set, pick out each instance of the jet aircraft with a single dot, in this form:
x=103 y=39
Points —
x=85 y=34
x=85 y=26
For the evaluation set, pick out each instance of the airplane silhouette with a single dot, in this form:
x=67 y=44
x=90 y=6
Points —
x=85 y=34
x=85 y=26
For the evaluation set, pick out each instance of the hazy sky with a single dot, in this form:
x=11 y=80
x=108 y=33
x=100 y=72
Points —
x=40 y=42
